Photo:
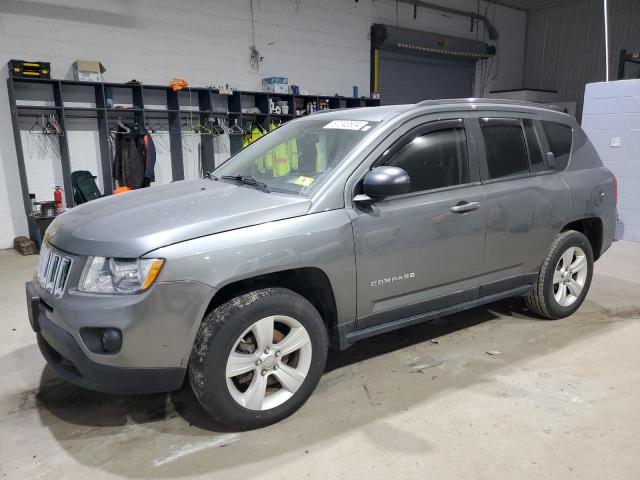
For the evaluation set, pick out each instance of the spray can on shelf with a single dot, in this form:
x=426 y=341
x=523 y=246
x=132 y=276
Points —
x=57 y=197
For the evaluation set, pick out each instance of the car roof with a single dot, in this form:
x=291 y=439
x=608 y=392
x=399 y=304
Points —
x=388 y=112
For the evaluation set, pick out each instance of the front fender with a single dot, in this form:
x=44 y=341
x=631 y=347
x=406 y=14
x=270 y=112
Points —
x=322 y=240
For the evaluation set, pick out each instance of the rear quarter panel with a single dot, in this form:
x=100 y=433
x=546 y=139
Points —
x=591 y=187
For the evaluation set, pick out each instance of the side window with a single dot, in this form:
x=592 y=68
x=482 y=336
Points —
x=505 y=148
x=434 y=160
x=536 y=158
x=559 y=138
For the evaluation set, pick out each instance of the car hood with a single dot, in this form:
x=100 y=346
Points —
x=131 y=224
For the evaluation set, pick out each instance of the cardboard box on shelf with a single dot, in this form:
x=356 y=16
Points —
x=275 y=85
x=88 y=70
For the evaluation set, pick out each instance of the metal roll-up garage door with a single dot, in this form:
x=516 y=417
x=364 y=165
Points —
x=409 y=66
x=410 y=78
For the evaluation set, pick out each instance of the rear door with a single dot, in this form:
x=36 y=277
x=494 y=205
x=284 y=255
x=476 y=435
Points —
x=527 y=203
x=423 y=250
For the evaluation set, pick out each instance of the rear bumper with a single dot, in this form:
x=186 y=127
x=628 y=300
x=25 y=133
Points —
x=65 y=356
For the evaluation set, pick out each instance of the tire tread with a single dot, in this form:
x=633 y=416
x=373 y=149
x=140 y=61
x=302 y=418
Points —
x=210 y=326
x=535 y=300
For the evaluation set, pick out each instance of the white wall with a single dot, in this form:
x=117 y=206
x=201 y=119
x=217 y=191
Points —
x=321 y=45
x=611 y=119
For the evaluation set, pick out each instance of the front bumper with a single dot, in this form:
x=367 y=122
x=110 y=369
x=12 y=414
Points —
x=63 y=355
x=158 y=329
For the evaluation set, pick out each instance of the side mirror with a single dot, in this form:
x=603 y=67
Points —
x=383 y=182
x=551 y=160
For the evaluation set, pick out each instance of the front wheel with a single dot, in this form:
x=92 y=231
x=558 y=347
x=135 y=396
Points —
x=564 y=278
x=258 y=357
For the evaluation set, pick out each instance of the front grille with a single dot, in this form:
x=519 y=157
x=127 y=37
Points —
x=53 y=270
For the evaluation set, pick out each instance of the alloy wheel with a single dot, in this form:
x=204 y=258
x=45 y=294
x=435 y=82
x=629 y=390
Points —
x=569 y=276
x=268 y=363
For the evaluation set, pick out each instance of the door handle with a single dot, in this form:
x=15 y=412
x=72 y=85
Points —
x=464 y=207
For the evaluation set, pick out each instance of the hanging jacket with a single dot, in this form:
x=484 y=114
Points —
x=280 y=161
x=254 y=134
x=264 y=162
x=285 y=156
x=128 y=163
x=276 y=159
x=149 y=155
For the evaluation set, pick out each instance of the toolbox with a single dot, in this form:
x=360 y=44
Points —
x=25 y=69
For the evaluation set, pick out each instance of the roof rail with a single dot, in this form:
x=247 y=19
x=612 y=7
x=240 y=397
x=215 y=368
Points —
x=498 y=101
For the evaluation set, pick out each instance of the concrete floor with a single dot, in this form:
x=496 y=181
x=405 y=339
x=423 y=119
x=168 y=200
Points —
x=556 y=400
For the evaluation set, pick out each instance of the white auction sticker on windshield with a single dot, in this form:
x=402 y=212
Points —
x=346 y=124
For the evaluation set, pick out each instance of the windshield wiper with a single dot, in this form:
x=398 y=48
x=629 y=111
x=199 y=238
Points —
x=248 y=180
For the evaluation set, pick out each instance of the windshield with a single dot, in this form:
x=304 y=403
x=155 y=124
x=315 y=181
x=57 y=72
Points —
x=298 y=156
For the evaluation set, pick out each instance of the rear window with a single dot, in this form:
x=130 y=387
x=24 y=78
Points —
x=505 y=148
x=559 y=137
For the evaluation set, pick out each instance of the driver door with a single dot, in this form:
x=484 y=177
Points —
x=423 y=250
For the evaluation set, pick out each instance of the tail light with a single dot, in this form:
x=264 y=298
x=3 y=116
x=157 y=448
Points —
x=615 y=188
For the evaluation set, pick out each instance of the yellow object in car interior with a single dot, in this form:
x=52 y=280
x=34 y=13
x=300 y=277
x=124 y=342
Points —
x=304 y=181
x=284 y=158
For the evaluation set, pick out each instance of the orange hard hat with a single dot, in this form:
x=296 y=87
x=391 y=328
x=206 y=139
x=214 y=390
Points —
x=178 y=84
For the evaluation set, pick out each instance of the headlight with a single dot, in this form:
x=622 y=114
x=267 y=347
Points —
x=119 y=275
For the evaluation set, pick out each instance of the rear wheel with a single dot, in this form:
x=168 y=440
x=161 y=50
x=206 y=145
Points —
x=564 y=278
x=258 y=357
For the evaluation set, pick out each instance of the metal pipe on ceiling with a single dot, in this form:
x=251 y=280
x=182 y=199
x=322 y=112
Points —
x=491 y=29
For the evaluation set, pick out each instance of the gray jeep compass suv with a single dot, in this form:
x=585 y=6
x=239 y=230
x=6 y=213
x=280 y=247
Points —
x=332 y=228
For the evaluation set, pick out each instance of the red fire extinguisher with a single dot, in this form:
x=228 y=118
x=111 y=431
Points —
x=57 y=197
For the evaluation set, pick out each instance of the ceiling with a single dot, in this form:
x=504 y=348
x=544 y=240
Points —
x=529 y=5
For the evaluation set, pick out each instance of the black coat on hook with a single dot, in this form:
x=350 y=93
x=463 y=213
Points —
x=128 y=162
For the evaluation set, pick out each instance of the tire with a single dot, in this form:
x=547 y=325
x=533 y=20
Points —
x=236 y=358
x=547 y=299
